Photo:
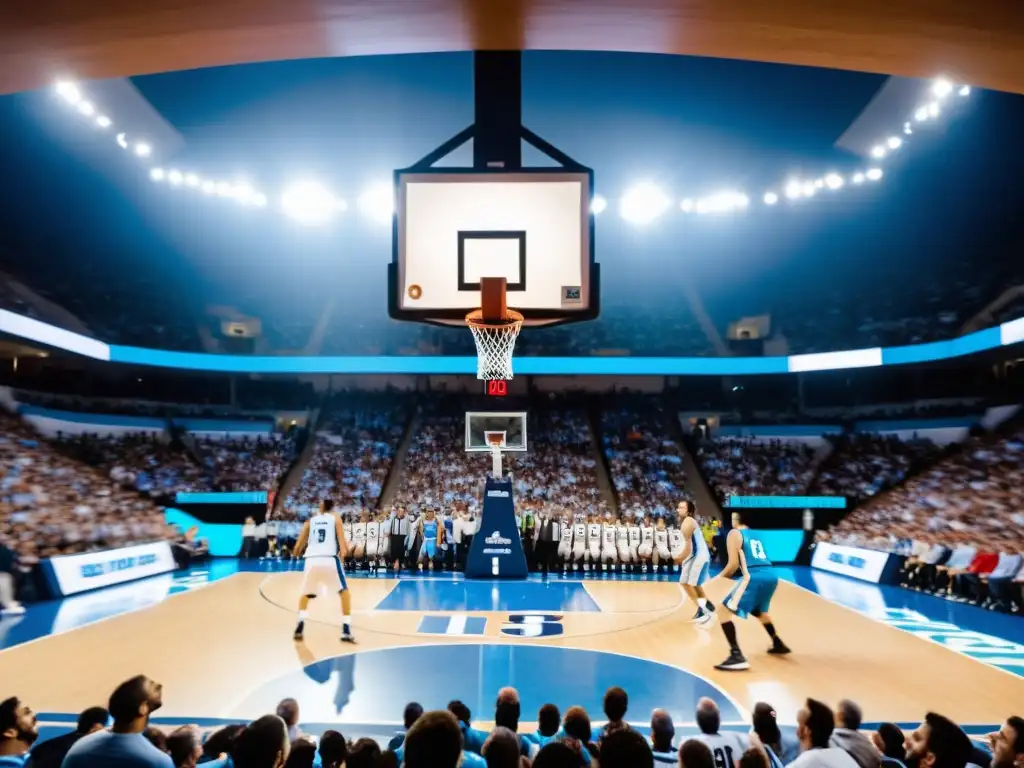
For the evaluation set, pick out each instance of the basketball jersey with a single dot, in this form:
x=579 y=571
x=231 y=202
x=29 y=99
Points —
x=698 y=547
x=647 y=534
x=566 y=533
x=359 y=531
x=594 y=532
x=726 y=748
x=621 y=535
x=609 y=535
x=347 y=528
x=430 y=529
x=634 y=535
x=580 y=532
x=661 y=538
x=323 y=536
x=675 y=538
x=373 y=530
x=753 y=552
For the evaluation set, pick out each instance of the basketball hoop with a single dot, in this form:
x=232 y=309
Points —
x=496 y=441
x=495 y=329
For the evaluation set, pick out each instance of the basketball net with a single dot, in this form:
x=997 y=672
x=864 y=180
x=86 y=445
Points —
x=495 y=329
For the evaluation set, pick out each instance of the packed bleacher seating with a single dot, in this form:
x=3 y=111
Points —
x=248 y=464
x=562 y=737
x=644 y=459
x=960 y=522
x=746 y=466
x=351 y=458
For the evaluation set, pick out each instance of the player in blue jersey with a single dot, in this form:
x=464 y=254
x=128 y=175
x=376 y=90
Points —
x=752 y=595
x=430 y=533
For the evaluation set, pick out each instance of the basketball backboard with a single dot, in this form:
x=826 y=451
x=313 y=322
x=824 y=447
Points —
x=482 y=425
x=532 y=227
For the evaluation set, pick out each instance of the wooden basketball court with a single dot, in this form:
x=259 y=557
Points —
x=225 y=651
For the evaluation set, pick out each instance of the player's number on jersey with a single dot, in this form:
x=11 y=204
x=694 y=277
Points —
x=758 y=549
x=321 y=535
x=723 y=755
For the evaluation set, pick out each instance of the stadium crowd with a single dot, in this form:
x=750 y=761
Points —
x=862 y=465
x=960 y=523
x=749 y=466
x=121 y=734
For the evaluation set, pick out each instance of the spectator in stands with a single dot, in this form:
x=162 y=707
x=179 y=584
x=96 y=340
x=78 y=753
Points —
x=433 y=741
x=156 y=737
x=8 y=569
x=889 y=740
x=549 y=720
x=576 y=728
x=18 y=731
x=765 y=724
x=709 y=721
x=815 y=723
x=506 y=715
x=848 y=737
x=184 y=747
x=219 y=745
x=1008 y=744
x=124 y=746
x=413 y=711
x=51 y=753
x=557 y=754
x=695 y=754
x=616 y=702
x=365 y=753
x=625 y=748
x=263 y=744
x=501 y=749
x=461 y=712
x=938 y=743
x=663 y=731
x=302 y=754
x=333 y=749
x=288 y=710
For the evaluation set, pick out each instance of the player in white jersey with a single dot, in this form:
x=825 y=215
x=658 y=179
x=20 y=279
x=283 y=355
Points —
x=622 y=542
x=323 y=544
x=609 y=552
x=373 y=542
x=594 y=540
x=695 y=561
x=579 y=543
x=346 y=521
x=565 y=541
x=359 y=537
x=646 y=549
x=727 y=747
x=634 y=543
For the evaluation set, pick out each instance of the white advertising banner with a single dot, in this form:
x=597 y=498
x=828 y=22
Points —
x=79 y=573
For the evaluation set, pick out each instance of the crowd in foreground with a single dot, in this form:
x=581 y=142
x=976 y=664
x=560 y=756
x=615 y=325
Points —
x=121 y=736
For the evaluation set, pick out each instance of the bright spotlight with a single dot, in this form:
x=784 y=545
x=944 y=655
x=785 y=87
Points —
x=874 y=174
x=770 y=198
x=686 y=206
x=965 y=91
x=103 y=121
x=243 y=193
x=934 y=109
x=643 y=203
x=907 y=129
x=723 y=202
x=834 y=181
x=122 y=141
x=175 y=177
x=808 y=189
x=208 y=187
x=341 y=205
x=86 y=108
x=68 y=91
x=157 y=174
x=378 y=203
x=260 y=199
x=894 y=142
x=741 y=200
x=142 y=149
x=819 y=183
x=598 y=204
x=191 y=180
x=858 y=178
x=308 y=202
x=878 y=151
x=223 y=189
x=942 y=88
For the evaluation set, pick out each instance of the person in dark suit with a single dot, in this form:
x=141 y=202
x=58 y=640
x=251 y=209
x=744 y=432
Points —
x=50 y=754
x=547 y=542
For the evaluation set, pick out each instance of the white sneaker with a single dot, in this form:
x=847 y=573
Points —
x=14 y=609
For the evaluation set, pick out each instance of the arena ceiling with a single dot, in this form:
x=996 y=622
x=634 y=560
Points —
x=979 y=43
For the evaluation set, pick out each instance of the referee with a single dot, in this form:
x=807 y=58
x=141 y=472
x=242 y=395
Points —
x=398 y=525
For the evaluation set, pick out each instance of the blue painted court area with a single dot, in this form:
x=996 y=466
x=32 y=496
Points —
x=451 y=594
x=347 y=689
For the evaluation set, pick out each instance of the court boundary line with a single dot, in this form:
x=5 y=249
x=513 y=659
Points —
x=742 y=710
x=1018 y=678
x=679 y=604
x=119 y=615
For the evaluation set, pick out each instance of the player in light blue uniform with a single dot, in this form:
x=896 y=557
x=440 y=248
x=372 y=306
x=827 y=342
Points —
x=430 y=533
x=752 y=596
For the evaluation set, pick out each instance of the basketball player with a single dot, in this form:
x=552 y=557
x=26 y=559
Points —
x=622 y=543
x=346 y=522
x=661 y=554
x=695 y=560
x=675 y=543
x=579 y=542
x=594 y=541
x=752 y=596
x=359 y=537
x=565 y=542
x=323 y=543
x=646 y=549
x=373 y=541
x=609 y=551
x=634 y=543
x=430 y=534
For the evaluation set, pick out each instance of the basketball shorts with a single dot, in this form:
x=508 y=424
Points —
x=429 y=549
x=752 y=594
x=625 y=555
x=645 y=550
x=663 y=553
x=609 y=553
x=323 y=572
x=564 y=549
x=577 y=551
x=359 y=544
x=594 y=549
x=694 y=571
x=372 y=547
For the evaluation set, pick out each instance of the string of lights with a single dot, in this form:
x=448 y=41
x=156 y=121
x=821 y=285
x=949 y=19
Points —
x=312 y=203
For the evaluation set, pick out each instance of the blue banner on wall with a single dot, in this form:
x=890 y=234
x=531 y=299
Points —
x=246 y=497
x=225 y=539
x=787 y=502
